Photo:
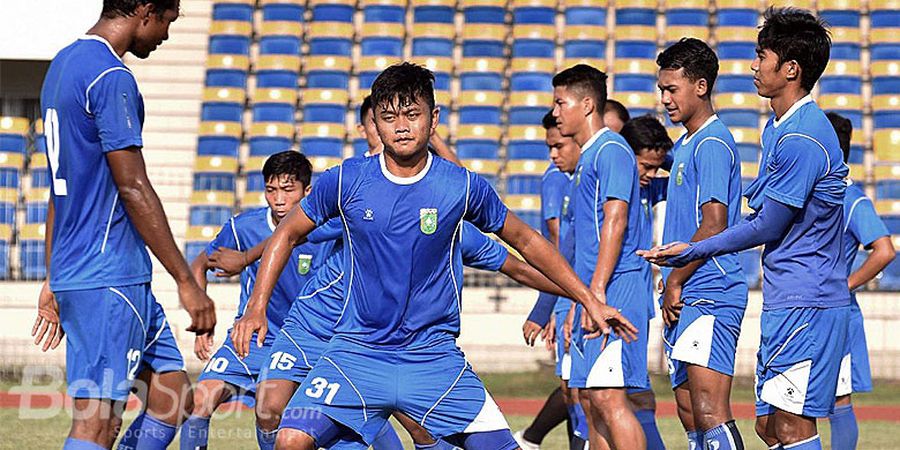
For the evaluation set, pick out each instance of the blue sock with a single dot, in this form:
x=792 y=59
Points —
x=78 y=444
x=147 y=433
x=695 y=440
x=647 y=418
x=266 y=439
x=579 y=421
x=813 y=443
x=844 y=429
x=195 y=433
x=387 y=439
x=724 y=436
x=440 y=444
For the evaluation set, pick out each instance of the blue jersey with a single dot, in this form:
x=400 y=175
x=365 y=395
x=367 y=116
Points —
x=607 y=170
x=706 y=168
x=566 y=236
x=243 y=232
x=802 y=167
x=321 y=302
x=861 y=223
x=91 y=105
x=654 y=193
x=553 y=188
x=402 y=259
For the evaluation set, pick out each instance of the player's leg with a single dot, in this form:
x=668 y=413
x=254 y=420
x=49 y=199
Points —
x=578 y=426
x=422 y=439
x=553 y=413
x=598 y=434
x=208 y=395
x=710 y=401
x=765 y=429
x=643 y=403
x=681 y=388
x=855 y=376
x=610 y=408
x=95 y=424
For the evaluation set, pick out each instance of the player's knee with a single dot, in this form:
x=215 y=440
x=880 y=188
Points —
x=642 y=401
x=268 y=413
x=96 y=429
x=289 y=439
x=763 y=431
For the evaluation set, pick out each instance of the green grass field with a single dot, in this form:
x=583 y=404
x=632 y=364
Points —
x=235 y=430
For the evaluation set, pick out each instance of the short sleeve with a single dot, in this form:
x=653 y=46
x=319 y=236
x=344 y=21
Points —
x=227 y=238
x=480 y=251
x=117 y=107
x=796 y=166
x=332 y=230
x=322 y=203
x=616 y=170
x=553 y=187
x=865 y=224
x=484 y=209
x=714 y=161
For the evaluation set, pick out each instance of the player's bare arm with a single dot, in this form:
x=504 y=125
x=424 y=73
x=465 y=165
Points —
x=443 y=150
x=612 y=235
x=47 y=323
x=292 y=229
x=538 y=252
x=140 y=201
x=715 y=220
x=881 y=255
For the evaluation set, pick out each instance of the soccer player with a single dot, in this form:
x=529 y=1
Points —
x=704 y=302
x=287 y=176
x=615 y=115
x=563 y=403
x=394 y=347
x=861 y=226
x=102 y=215
x=651 y=145
x=607 y=226
x=797 y=199
x=366 y=129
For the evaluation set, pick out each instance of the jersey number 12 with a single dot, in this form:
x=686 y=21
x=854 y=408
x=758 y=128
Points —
x=51 y=131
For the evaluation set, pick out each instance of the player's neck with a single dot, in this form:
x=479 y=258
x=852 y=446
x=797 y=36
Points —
x=405 y=167
x=699 y=118
x=787 y=97
x=115 y=31
x=593 y=124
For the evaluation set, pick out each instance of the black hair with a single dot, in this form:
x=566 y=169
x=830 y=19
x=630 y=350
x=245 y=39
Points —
x=796 y=35
x=403 y=84
x=646 y=132
x=584 y=80
x=618 y=108
x=844 y=129
x=126 y=8
x=695 y=57
x=549 y=121
x=365 y=108
x=291 y=163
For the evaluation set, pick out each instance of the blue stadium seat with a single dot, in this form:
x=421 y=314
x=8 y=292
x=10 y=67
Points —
x=433 y=11
x=332 y=10
x=274 y=105
x=529 y=108
x=240 y=10
x=222 y=104
x=281 y=38
x=270 y=138
x=13 y=134
x=230 y=37
x=847 y=105
x=484 y=40
x=747 y=141
x=635 y=42
x=534 y=41
x=323 y=139
x=324 y=105
x=686 y=18
x=215 y=173
x=330 y=38
x=585 y=43
x=534 y=12
x=478 y=142
x=382 y=39
x=532 y=74
x=480 y=107
x=482 y=74
x=635 y=76
x=277 y=71
x=384 y=11
x=738 y=109
x=227 y=71
x=526 y=142
x=283 y=10
x=219 y=138
x=31 y=251
x=484 y=11
x=211 y=208
x=433 y=39
x=886 y=111
x=328 y=72
x=737 y=43
x=887 y=182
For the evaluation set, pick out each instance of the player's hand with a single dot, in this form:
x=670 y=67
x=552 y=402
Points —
x=199 y=306
x=228 y=262
x=666 y=255
x=549 y=333
x=203 y=344
x=660 y=287
x=603 y=319
x=531 y=331
x=567 y=327
x=672 y=304
x=253 y=321
x=47 y=320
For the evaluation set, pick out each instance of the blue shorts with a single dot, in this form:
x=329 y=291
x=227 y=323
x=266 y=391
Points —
x=705 y=335
x=563 y=359
x=359 y=387
x=292 y=355
x=855 y=375
x=112 y=334
x=611 y=362
x=799 y=359
x=225 y=365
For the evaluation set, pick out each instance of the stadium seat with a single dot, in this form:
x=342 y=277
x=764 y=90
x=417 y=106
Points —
x=737 y=109
x=283 y=10
x=219 y=138
x=330 y=38
x=534 y=11
x=527 y=207
x=332 y=10
x=322 y=139
x=747 y=141
x=847 y=105
x=737 y=42
x=274 y=105
x=210 y=207
x=277 y=71
x=391 y=11
x=239 y=10
x=13 y=134
x=887 y=182
x=842 y=77
x=270 y=138
x=635 y=29
x=222 y=104
x=433 y=39
x=529 y=108
x=634 y=84
x=484 y=40
x=215 y=173
x=230 y=37
x=482 y=74
x=433 y=11
x=38 y=193
x=197 y=239
x=480 y=107
x=884 y=17
x=328 y=72
x=484 y=11
x=526 y=142
x=886 y=144
x=227 y=71
x=889 y=210
x=369 y=67
x=585 y=44
x=31 y=251
x=281 y=38
x=478 y=142
x=382 y=39
x=324 y=105
x=686 y=18
x=886 y=111
x=885 y=77
x=441 y=67
x=532 y=74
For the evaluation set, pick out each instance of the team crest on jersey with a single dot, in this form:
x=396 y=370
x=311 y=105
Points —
x=428 y=218
x=578 y=176
x=304 y=263
x=565 y=205
x=679 y=177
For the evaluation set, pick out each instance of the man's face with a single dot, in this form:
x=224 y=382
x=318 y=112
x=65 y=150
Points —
x=564 y=152
x=612 y=121
x=368 y=132
x=679 y=95
x=152 y=30
x=768 y=77
x=405 y=130
x=283 y=192
x=648 y=163
x=568 y=110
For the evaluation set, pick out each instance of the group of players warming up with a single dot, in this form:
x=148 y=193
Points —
x=350 y=290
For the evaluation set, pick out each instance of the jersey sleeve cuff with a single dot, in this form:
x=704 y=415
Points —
x=122 y=144
x=786 y=199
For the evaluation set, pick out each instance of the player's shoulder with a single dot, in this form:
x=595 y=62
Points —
x=718 y=130
x=553 y=174
x=854 y=194
x=250 y=217
x=95 y=59
x=613 y=146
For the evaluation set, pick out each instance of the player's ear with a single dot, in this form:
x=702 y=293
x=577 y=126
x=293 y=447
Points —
x=307 y=190
x=587 y=104
x=793 y=70
x=361 y=129
x=702 y=87
x=145 y=11
x=435 y=118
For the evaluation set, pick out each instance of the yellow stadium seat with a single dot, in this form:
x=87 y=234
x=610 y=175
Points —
x=332 y=2
x=527 y=3
x=526 y=167
x=281 y=28
x=638 y=99
x=887 y=172
x=736 y=100
x=489 y=132
x=585 y=33
x=331 y=29
x=382 y=2
x=450 y=3
x=846 y=35
x=734 y=67
x=201 y=233
x=840 y=101
x=745 y=135
x=886 y=144
x=531 y=31
x=884 y=36
x=470 y=3
x=434 y=30
x=278 y=62
x=322 y=163
x=482 y=165
x=442 y=98
x=483 y=65
x=843 y=68
x=634 y=33
x=275 y=2
x=322 y=130
x=840 y=5
x=676 y=32
x=484 y=32
x=880 y=5
x=328 y=62
x=382 y=29
x=887 y=207
x=254 y=164
x=749 y=170
x=435 y=63
x=685 y=4
x=326 y=96
x=857 y=171
x=38 y=160
x=230 y=28
x=12 y=160
x=28 y=232
x=39 y=126
x=883 y=102
x=217 y=164
x=253 y=198
x=523 y=202
x=805 y=4
x=531 y=99
x=736 y=34
x=885 y=68
x=274 y=129
x=598 y=63
x=375 y=63
x=675 y=132
x=533 y=65
x=14 y=125
x=526 y=133
x=275 y=95
x=232 y=62
x=590 y=3
x=224 y=95
x=635 y=66
x=212 y=198
x=480 y=98
x=231 y=129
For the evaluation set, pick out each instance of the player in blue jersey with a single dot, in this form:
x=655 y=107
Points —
x=99 y=268
x=607 y=225
x=703 y=302
x=797 y=198
x=225 y=377
x=862 y=226
x=394 y=347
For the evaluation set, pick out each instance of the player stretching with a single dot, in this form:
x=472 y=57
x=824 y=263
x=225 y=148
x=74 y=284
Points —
x=797 y=199
x=287 y=177
x=607 y=224
x=861 y=226
x=703 y=302
x=99 y=268
x=395 y=344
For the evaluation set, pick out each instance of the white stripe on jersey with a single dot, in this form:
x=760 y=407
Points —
x=348 y=290
x=109 y=223
x=87 y=92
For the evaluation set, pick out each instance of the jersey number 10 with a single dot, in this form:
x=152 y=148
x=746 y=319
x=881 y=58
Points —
x=51 y=131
